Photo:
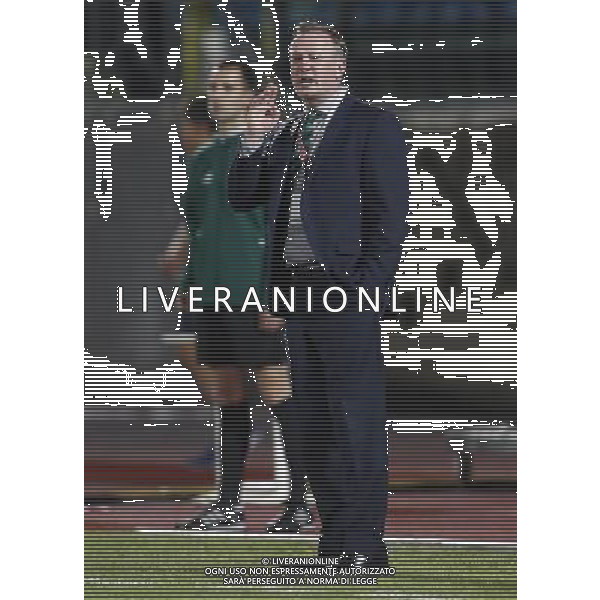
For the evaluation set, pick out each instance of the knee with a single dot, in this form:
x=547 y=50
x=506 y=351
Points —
x=221 y=395
x=274 y=386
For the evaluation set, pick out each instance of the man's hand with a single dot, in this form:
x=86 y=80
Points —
x=269 y=322
x=262 y=116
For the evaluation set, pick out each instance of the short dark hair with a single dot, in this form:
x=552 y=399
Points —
x=197 y=113
x=246 y=71
x=318 y=27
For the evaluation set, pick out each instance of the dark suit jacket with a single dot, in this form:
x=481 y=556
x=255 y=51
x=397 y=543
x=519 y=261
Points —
x=355 y=197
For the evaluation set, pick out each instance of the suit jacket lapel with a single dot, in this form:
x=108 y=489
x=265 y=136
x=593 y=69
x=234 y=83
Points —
x=335 y=124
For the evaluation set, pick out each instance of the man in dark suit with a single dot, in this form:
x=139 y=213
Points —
x=335 y=182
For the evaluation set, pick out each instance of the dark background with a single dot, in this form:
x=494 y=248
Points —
x=122 y=249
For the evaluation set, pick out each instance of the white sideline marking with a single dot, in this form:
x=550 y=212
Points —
x=306 y=537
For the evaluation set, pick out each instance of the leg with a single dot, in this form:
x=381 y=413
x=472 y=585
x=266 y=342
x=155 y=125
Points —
x=349 y=349
x=186 y=353
x=187 y=346
x=225 y=386
x=275 y=389
x=236 y=426
x=315 y=430
x=274 y=384
x=223 y=380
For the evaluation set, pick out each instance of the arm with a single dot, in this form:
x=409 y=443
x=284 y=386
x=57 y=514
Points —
x=176 y=254
x=178 y=251
x=252 y=176
x=244 y=183
x=249 y=174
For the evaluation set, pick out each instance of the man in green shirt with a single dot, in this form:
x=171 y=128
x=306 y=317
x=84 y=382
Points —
x=226 y=249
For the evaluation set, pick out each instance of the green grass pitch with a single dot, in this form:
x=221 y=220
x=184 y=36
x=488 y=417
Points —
x=145 y=566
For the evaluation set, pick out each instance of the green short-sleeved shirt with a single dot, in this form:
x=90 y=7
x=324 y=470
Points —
x=226 y=247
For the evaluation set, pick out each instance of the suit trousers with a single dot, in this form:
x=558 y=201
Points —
x=339 y=404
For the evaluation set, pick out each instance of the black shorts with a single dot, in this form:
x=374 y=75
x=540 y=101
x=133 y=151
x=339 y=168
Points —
x=188 y=323
x=235 y=339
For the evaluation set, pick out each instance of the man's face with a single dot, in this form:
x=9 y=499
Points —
x=317 y=66
x=228 y=95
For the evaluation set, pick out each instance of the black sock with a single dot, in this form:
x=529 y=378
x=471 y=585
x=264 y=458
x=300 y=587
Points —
x=293 y=450
x=236 y=427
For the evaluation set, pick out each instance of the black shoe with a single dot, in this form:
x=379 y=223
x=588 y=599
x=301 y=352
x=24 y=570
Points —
x=292 y=520
x=221 y=514
x=354 y=560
